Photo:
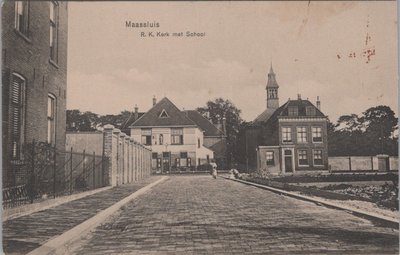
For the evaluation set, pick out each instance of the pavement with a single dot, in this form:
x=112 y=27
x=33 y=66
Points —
x=200 y=215
x=26 y=233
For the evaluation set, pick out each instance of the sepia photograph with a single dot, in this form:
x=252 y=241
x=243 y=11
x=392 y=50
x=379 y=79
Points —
x=199 y=127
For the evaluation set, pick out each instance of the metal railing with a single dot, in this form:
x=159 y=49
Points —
x=45 y=172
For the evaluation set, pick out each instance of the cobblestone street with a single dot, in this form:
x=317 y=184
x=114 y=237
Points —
x=200 y=215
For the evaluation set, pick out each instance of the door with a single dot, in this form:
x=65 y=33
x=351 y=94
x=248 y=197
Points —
x=288 y=161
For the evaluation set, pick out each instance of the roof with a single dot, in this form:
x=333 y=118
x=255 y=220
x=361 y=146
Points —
x=301 y=105
x=271 y=83
x=204 y=124
x=282 y=111
x=154 y=118
x=131 y=119
x=265 y=115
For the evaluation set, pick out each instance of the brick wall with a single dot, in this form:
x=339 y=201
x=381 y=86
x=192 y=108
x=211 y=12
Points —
x=29 y=57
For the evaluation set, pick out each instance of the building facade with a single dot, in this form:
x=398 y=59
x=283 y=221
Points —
x=176 y=141
x=289 y=138
x=34 y=79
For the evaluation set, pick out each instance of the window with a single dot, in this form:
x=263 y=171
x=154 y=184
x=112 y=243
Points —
x=17 y=113
x=154 y=155
x=286 y=134
x=176 y=136
x=22 y=17
x=293 y=111
x=166 y=154
x=198 y=143
x=164 y=114
x=51 y=116
x=53 y=31
x=161 y=139
x=273 y=93
x=318 y=157
x=301 y=134
x=303 y=160
x=317 y=134
x=146 y=136
x=270 y=158
x=184 y=154
x=310 y=111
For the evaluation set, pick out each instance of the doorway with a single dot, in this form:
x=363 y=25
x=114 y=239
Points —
x=288 y=161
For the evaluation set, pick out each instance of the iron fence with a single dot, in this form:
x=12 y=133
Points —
x=44 y=172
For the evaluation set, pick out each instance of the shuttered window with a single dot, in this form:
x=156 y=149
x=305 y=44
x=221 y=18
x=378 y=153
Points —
x=16 y=114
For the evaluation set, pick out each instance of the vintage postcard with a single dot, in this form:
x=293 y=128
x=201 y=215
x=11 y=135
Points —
x=183 y=127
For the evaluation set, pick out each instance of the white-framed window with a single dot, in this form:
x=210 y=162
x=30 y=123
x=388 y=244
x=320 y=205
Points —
x=22 y=17
x=177 y=136
x=316 y=134
x=270 y=158
x=293 y=111
x=286 y=134
x=301 y=134
x=318 y=158
x=53 y=31
x=146 y=136
x=51 y=118
x=303 y=159
x=17 y=108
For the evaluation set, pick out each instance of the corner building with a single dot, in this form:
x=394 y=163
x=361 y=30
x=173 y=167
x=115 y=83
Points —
x=34 y=80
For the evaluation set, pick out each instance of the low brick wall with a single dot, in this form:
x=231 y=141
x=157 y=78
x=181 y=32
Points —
x=359 y=163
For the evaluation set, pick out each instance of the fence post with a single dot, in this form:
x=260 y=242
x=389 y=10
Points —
x=84 y=166
x=94 y=170
x=32 y=177
x=350 y=163
x=54 y=171
x=70 y=173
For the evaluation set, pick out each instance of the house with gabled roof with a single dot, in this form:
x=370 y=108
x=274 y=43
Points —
x=176 y=140
x=289 y=138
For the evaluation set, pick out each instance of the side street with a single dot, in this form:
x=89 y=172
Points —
x=160 y=178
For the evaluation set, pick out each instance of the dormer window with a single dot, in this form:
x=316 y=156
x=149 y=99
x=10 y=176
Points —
x=310 y=111
x=164 y=114
x=293 y=111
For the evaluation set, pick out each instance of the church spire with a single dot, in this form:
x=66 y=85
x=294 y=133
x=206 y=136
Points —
x=272 y=90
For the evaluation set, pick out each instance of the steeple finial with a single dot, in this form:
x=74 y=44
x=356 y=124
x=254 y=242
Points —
x=270 y=69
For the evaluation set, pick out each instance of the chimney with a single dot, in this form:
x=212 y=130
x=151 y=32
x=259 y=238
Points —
x=154 y=100
x=318 y=103
x=298 y=97
x=136 y=112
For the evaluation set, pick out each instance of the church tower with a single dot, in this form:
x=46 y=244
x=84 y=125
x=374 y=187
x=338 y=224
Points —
x=272 y=91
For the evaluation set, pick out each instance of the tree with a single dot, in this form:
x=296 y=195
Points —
x=219 y=109
x=77 y=121
x=380 y=124
x=371 y=134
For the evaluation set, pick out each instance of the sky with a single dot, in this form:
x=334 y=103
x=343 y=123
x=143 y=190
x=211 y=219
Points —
x=316 y=49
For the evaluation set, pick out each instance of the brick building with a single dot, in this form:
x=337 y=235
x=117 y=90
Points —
x=34 y=79
x=287 y=138
x=177 y=138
